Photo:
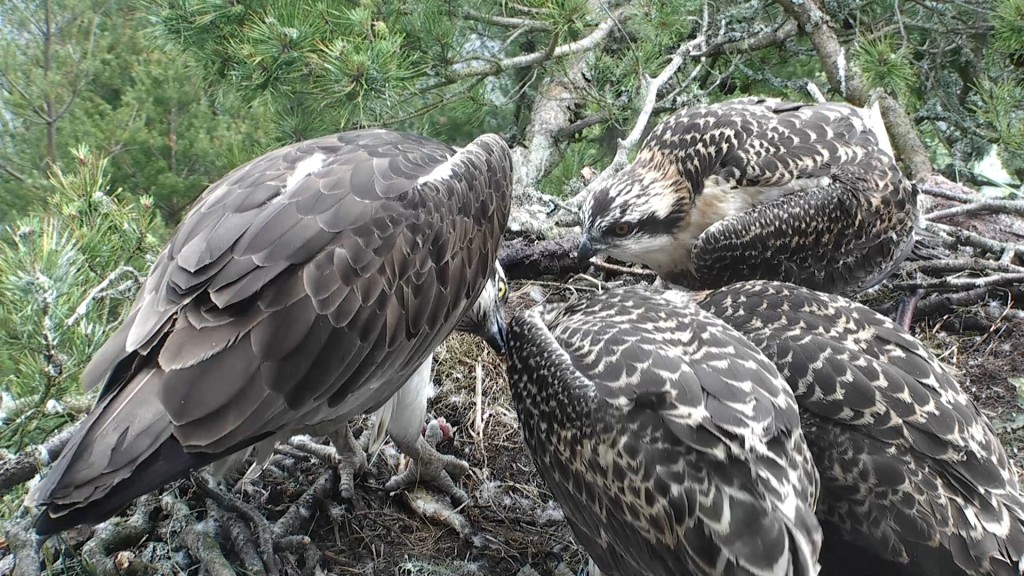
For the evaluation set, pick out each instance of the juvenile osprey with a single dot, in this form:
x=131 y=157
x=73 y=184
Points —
x=302 y=289
x=672 y=444
x=758 y=189
x=911 y=470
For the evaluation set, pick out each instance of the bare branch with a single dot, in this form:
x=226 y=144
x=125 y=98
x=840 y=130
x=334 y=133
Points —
x=693 y=48
x=999 y=206
x=774 y=37
x=951 y=283
x=23 y=467
x=506 y=21
x=589 y=42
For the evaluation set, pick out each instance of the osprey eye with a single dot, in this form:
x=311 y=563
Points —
x=622 y=229
x=502 y=290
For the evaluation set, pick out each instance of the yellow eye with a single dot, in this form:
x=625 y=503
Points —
x=502 y=290
x=622 y=229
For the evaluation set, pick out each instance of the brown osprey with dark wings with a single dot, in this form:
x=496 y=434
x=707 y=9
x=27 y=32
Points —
x=302 y=289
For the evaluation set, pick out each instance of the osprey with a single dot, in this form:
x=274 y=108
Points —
x=402 y=416
x=758 y=189
x=302 y=289
x=672 y=444
x=911 y=470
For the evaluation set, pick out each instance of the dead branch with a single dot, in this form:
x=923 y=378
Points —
x=21 y=468
x=527 y=258
x=598 y=35
x=200 y=541
x=104 y=549
x=692 y=49
x=243 y=541
x=300 y=515
x=24 y=544
x=265 y=538
x=954 y=237
x=951 y=283
x=1015 y=207
x=775 y=37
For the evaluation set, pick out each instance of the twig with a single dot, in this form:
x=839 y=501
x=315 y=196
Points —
x=265 y=538
x=999 y=206
x=243 y=541
x=100 y=291
x=23 y=467
x=609 y=267
x=118 y=535
x=23 y=543
x=961 y=283
x=200 y=542
x=650 y=98
x=300 y=515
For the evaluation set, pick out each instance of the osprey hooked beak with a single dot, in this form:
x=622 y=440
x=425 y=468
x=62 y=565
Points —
x=589 y=248
x=486 y=318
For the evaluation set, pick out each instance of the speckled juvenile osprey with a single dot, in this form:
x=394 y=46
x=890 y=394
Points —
x=758 y=189
x=911 y=470
x=302 y=289
x=672 y=444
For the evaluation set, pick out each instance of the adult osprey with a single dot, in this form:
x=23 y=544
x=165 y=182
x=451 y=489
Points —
x=302 y=289
x=671 y=443
x=758 y=189
x=911 y=470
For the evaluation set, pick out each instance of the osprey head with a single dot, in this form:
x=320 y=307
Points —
x=637 y=216
x=486 y=318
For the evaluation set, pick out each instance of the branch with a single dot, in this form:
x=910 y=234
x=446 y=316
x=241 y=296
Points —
x=774 y=37
x=650 y=98
x=999 y=206
x=959 y=236
x=850 y=85
x=23 y=467
x=961 y=283
x=552 y=110
x=584 y=44
x=505 y=21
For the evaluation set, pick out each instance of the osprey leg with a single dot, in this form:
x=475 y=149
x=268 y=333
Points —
x=351 y=459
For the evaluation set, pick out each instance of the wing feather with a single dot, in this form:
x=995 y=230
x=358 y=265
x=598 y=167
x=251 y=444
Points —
x=910 y=467
x=271 y=308
x=672 y=444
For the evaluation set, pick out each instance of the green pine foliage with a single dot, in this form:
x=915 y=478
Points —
x=66 y=274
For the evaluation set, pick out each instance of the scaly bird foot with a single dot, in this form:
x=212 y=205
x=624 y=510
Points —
x=430 y=466
x=347 y=455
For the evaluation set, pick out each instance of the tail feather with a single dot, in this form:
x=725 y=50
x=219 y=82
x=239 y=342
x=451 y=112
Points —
x=125 y=448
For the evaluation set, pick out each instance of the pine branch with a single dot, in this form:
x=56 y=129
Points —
x=505 y=21
x=589 y=42
x=691 y=49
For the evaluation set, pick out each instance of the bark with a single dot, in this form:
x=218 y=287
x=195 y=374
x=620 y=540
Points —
x=19 y=469
x=552 y=113
x=848 y=82
x=527 y=258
